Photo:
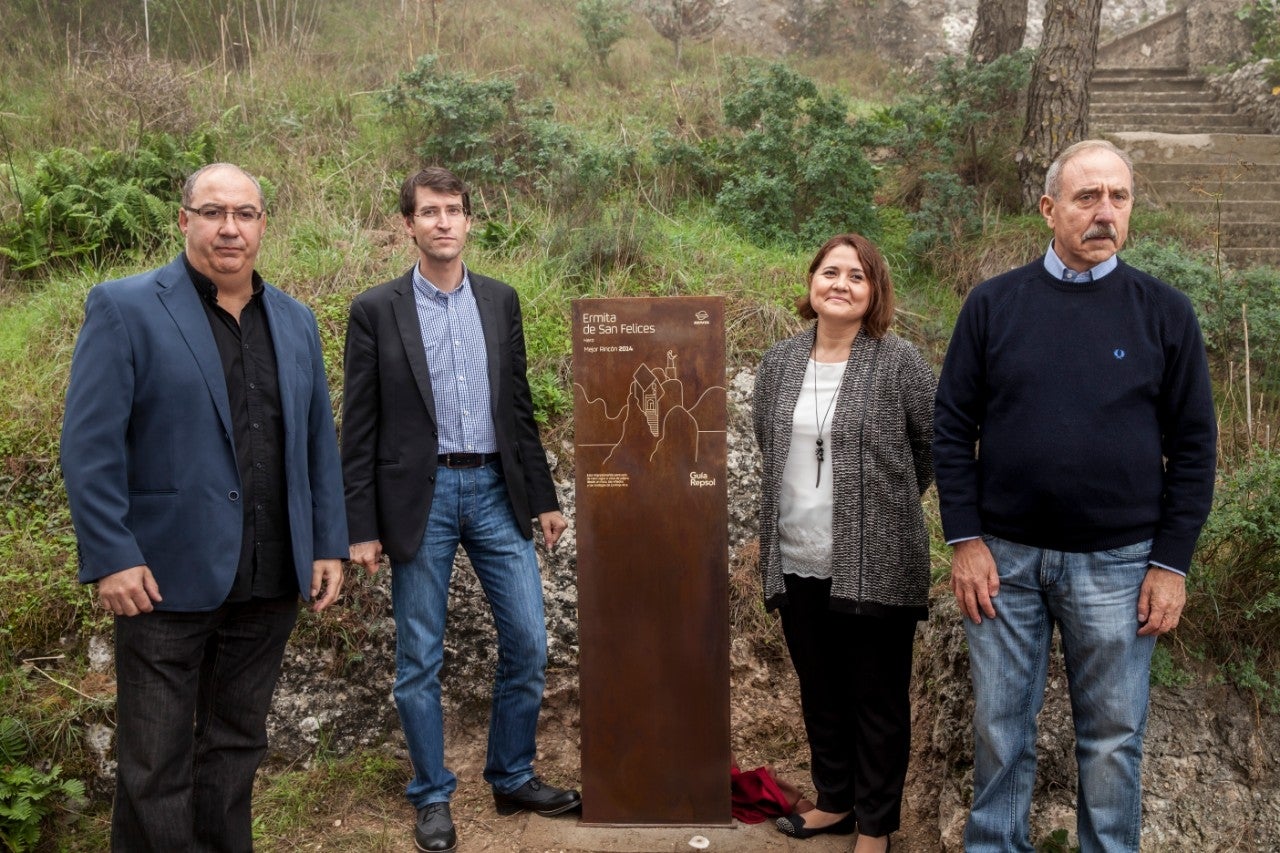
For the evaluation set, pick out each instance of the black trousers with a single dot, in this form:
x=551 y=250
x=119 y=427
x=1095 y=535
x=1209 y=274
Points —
x=192 y=695
x=855 y=675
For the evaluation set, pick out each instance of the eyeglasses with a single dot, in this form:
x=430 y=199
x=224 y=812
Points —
x=431 y=214
x=211 y=213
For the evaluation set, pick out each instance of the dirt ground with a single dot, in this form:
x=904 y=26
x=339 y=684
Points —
x=766 y=729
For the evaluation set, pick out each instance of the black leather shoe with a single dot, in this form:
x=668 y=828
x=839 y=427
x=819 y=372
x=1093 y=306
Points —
x=793 y=825
x=537 y=796
x=433 y=832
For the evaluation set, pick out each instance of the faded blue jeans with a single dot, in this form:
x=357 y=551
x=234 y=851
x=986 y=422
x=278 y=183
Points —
x=470 y=507
x=1093 y=599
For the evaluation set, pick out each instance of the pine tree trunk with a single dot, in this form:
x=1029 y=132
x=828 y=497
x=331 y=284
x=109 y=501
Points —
x=1000 y=29
x=1058 y=96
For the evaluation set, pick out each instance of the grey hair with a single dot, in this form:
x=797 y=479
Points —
x=189 y=186
x=1053 y=178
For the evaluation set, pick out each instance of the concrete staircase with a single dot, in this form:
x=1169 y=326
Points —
x=1165 y=100
x=1194 y=153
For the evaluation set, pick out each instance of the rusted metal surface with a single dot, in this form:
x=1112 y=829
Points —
x=649 y=426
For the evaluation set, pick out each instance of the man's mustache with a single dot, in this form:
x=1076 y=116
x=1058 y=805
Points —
x=1101 y=230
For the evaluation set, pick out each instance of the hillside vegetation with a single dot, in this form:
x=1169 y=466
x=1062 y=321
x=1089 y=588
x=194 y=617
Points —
x=600 y=168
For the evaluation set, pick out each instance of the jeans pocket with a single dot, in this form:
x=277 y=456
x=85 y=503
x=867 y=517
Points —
x=1126 y=553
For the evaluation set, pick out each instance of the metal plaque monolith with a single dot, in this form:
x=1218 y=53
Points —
x=650 y=410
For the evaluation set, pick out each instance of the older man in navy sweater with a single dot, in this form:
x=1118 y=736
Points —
x=1075 y=447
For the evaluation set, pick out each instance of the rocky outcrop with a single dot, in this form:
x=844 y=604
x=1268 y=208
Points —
x=1250 y=89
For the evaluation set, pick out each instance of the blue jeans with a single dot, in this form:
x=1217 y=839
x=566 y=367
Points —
x=470 y=507
x=1093 y=599
x=192 y=695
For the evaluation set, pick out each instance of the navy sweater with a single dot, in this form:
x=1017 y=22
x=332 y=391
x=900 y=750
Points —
x=1077 y=417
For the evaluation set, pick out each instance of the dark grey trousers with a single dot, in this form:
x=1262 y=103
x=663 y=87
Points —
x=193 y=692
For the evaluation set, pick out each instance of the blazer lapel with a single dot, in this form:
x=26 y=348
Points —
x=286 y=348
x=405 y=309
x=489 y=323
x=178 y=296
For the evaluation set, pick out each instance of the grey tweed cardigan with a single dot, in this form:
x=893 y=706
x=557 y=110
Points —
x=881 y=432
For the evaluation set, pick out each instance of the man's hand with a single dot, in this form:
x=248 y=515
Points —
x=129 y=592
x=326 y=578
x=553 y=524
x=1160 y=601
x=974 y=579
x=367 y=554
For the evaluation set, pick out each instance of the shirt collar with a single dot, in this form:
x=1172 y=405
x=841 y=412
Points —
x=1057 y=268
x=207 y=289
x=426 y=288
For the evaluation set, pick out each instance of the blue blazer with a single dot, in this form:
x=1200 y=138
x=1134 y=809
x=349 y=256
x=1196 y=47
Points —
x=147 y=452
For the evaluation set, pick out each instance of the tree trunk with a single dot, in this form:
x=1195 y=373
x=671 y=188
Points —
x=1000 y=29
x=1058 y=96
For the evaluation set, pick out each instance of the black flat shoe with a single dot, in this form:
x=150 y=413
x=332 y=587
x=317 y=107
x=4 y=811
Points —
x=537 y=796
x=793 y=825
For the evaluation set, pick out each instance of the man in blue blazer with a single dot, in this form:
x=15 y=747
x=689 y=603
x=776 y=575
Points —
x=202 y=470
x=440 y=449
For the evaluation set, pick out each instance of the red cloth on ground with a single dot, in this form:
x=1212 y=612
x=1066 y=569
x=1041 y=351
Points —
x=757 y=796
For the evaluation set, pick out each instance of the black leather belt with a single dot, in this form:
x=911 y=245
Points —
x=467 y=460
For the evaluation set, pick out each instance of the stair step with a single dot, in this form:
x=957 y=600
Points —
x=1175 y=191
x=1231 y=212
x=1211 y=117
x=1246 y=234
x=1207 y=152
x=1173 y=129
x=1140 y=84
x=1240 y=257
x=1108 y=71
x=1240 y=171
x=1126 y=99
x=1108 y=75
x=1143 y=107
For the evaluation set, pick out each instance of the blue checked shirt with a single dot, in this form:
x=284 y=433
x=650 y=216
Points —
x=454 y=343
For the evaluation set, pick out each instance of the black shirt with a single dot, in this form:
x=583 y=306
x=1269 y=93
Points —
x=265 y=568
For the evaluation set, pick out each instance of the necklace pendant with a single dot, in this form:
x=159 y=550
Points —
x=819 y=454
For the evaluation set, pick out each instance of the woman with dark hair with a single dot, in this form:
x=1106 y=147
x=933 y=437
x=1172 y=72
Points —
x=843 y=415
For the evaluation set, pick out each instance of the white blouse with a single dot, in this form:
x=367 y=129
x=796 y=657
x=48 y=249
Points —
x=804 y=510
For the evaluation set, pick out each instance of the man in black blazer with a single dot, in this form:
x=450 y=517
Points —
x=440 y=449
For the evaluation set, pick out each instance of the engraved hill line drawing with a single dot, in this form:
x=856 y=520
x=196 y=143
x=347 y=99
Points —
x=656 y=395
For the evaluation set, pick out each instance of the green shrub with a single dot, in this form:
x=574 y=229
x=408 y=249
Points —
x=796 y=173
x=693 y=167
x=76 y=207
x=1262 y=17
x=1233 y=598
x=484 y=132
x=27 y=795
x=1165 y=671
x=602 y=23
x=951 y=146
x=458 y=121
x=948 y=214
x=594 y=240
x=1222 y=299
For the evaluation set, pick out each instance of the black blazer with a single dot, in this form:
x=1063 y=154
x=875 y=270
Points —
x=390 y=439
